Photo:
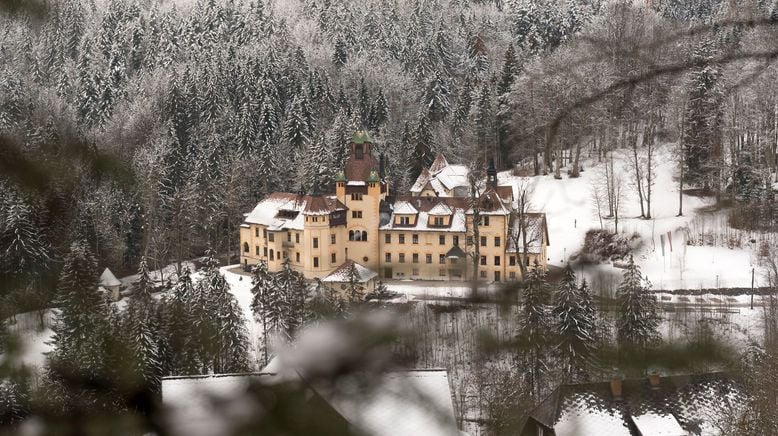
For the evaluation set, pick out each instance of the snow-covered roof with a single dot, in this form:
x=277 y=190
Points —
x=672 y=408
x=411 y=402
x=441 y=177
x=655 y=424
x=440 y=209
x=405 y=402
x=356 y=183
x=282 y=210
x=108 y=279
x=341 y=273
x=403 y=208
x=201 y=405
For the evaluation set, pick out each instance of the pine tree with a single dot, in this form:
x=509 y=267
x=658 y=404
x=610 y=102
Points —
x=81 y=330
x=25 y=252
x=379 y=111
x=340 y=56
x=574 y=324
x=266 y=304
x=364 y=102
x=421 y=141
x=355 y=292
x=436 y=99
x=293 y=291
x=638 y=322
x=299 y=125
x=533 y=326
x=510 y=69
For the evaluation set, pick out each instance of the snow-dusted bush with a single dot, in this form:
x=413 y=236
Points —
x=602 y=246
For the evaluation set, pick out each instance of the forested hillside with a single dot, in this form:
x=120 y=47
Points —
x=150 y=127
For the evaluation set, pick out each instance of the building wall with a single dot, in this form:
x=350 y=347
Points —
x=363 y=216
x=426 y=247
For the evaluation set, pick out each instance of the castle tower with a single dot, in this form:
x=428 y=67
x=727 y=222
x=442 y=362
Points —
x=361 y=189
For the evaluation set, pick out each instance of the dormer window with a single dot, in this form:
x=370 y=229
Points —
x=359 y=151
x=405 y=221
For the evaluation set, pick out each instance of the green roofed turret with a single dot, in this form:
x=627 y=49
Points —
x=361 y=137
x=341 y=177
x=373 y=176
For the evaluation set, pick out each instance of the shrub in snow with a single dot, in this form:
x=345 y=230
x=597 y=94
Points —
x=603 y=246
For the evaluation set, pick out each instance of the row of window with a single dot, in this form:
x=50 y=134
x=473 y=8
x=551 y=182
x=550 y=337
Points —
x=415 y=258
x=415 y=239
x=271 y=254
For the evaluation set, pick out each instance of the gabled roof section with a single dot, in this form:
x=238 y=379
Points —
x=361 y=137
x=440 y=209
x=342 y=273
x=438 y=164
x=108 y=279
x=490 y=203
x=277 y=211
x=421 y=181
x=404 y=208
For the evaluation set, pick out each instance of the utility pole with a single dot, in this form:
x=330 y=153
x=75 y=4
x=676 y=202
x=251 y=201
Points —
x=752 y=288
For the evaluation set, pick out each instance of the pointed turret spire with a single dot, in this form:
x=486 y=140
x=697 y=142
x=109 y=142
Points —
x=491 y=174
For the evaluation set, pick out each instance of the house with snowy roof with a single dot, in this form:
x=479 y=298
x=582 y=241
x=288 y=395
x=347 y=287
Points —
x=442 y=179
x=397 y=403
x=432 y=234
x=653 y=406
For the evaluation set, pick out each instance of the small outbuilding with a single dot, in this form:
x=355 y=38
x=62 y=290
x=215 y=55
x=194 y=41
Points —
x=111 y=284
x=348 y=271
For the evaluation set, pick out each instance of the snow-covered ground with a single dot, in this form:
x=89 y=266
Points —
x=570 y=210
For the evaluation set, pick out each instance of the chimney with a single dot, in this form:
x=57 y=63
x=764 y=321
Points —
x=653 y=379
x=616 y=387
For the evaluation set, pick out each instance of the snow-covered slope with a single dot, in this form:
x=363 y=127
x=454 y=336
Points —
x=570 y=210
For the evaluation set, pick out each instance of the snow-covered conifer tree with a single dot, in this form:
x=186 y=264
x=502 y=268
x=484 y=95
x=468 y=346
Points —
x=638 y=321
x=574 y=325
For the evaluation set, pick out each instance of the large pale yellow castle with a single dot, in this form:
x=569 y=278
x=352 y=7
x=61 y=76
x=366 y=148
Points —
x=427 y=235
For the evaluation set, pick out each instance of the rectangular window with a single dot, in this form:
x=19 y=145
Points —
x=483 y=260
x=264 y=233
x=428 y=258
x=496 y=260
x=272 y=257
x=456 y=239
x=483 y=241
x=442 y=239
x=297 y=257
x=415 y=257
x=333 y=258
x=359 y=151
x=356 y=214
x=512 y=275
x=527 y=263
x=315 y=242
x=496 y=241
x=315 y=262
x=265 y=251
x=271 y=237
x=356 y=196
x=388 y=238
x=402 y=238
x=485 y=220
x=256 y=232
x=257 y=250
x=297 y=238
x=496 y=276
x=405 y=221
x=482 y=274
x=437 y=221
x=388 y=257
x=469 y=240
x=332 y=239
x=442 y=272
x=442 y=258
x=512 y=261
x=288 y=237
x=402 y=257
x=415 y=238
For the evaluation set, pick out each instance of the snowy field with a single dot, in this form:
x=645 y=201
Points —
x=570 y=210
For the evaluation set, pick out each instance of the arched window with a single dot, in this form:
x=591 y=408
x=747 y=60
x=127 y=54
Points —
x=364 y=236
x=245 y=247
x=350 y=235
